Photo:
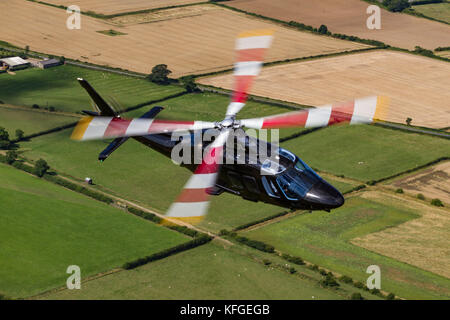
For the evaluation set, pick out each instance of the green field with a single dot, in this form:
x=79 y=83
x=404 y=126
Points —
x=58 y=87
x=45 y=228
x=206 y=272
x=367 y=152
x=440 y=11
x=31 y=121
x=323 y=238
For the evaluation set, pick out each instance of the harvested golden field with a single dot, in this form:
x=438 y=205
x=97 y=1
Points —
x=433 y=182
x=109 y=7
x=193 y=43
x=422 y=242
x=417 y=86
x=349 y=17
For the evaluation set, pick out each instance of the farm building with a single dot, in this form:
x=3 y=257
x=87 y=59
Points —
x=14 y=63
x=48 y=63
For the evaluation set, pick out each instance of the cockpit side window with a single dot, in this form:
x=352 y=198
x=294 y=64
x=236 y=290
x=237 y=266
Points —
x=270 y=187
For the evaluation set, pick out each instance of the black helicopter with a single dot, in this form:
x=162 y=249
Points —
x=282 y=179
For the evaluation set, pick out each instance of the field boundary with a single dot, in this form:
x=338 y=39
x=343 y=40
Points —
x=97 y=15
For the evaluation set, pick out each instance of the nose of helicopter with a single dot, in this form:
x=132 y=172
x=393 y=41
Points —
x=324 y=196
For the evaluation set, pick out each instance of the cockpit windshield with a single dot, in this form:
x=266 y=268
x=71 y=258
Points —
x=297 y=181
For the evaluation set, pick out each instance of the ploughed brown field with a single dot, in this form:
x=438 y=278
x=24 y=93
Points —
x=109 y=7
x=349 y=17
x=417 y=86
x=433 y=182
x=194 y=39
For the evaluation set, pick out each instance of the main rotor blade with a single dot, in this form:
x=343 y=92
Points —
x=250 y=48
x=89 y=128
x=193 y=202
x=364 y=110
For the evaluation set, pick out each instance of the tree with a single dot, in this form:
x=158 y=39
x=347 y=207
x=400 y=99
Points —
x=41 y=167
x=189 y=84
x=4 y=139
x=396 y=5
x=323 y=29
x=11 y=156
x=19 y=134
x=160 y=74
x=356 y=296
x=408 y=121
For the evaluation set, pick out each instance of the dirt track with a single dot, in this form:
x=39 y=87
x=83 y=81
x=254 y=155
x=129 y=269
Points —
x=349 y=17
x=417 y=86
x=200 y=41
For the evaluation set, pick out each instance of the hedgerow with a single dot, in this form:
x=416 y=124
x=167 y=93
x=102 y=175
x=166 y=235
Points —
x=168 y=252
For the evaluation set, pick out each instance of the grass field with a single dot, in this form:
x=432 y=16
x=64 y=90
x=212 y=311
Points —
x=440 y=11
x=417 y=86
x=199 y=42
x=30 y=121
x=421 y=242
x=58 y=87
x=324 y=239
x=206 y=272
x=349 y=17
x=45 y=228
x=109 y=7
x=367 y=152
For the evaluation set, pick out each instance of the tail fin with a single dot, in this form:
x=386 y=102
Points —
x=104 y=107
x=119 y=141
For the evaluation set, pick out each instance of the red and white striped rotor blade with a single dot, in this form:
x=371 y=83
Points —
x=359 y=111
x=89 y=128
x=193 y=202
x=250 y=48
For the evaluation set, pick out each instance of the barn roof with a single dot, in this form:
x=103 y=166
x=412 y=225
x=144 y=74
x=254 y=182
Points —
x=49 y=61
x=14 y=61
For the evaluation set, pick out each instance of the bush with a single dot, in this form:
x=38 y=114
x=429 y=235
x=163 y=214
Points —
x=292 y=270
x=371 y=182
x=4 y=139
x=258 y=245
x=396 y=5
x=267 y=262
x=420 y=196
x=422 y=51
x=346 y=279
x=41 y=167
x=390 y=296
x=329 y=281
x=356 y=296
x=189 y=84
x=293 y=259
x=437 y=203
x=11 y=156
x=323 y=272
x=399 y=190
x=359 y=285
x=35 y=106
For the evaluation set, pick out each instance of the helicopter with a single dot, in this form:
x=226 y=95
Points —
x=284 y=179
